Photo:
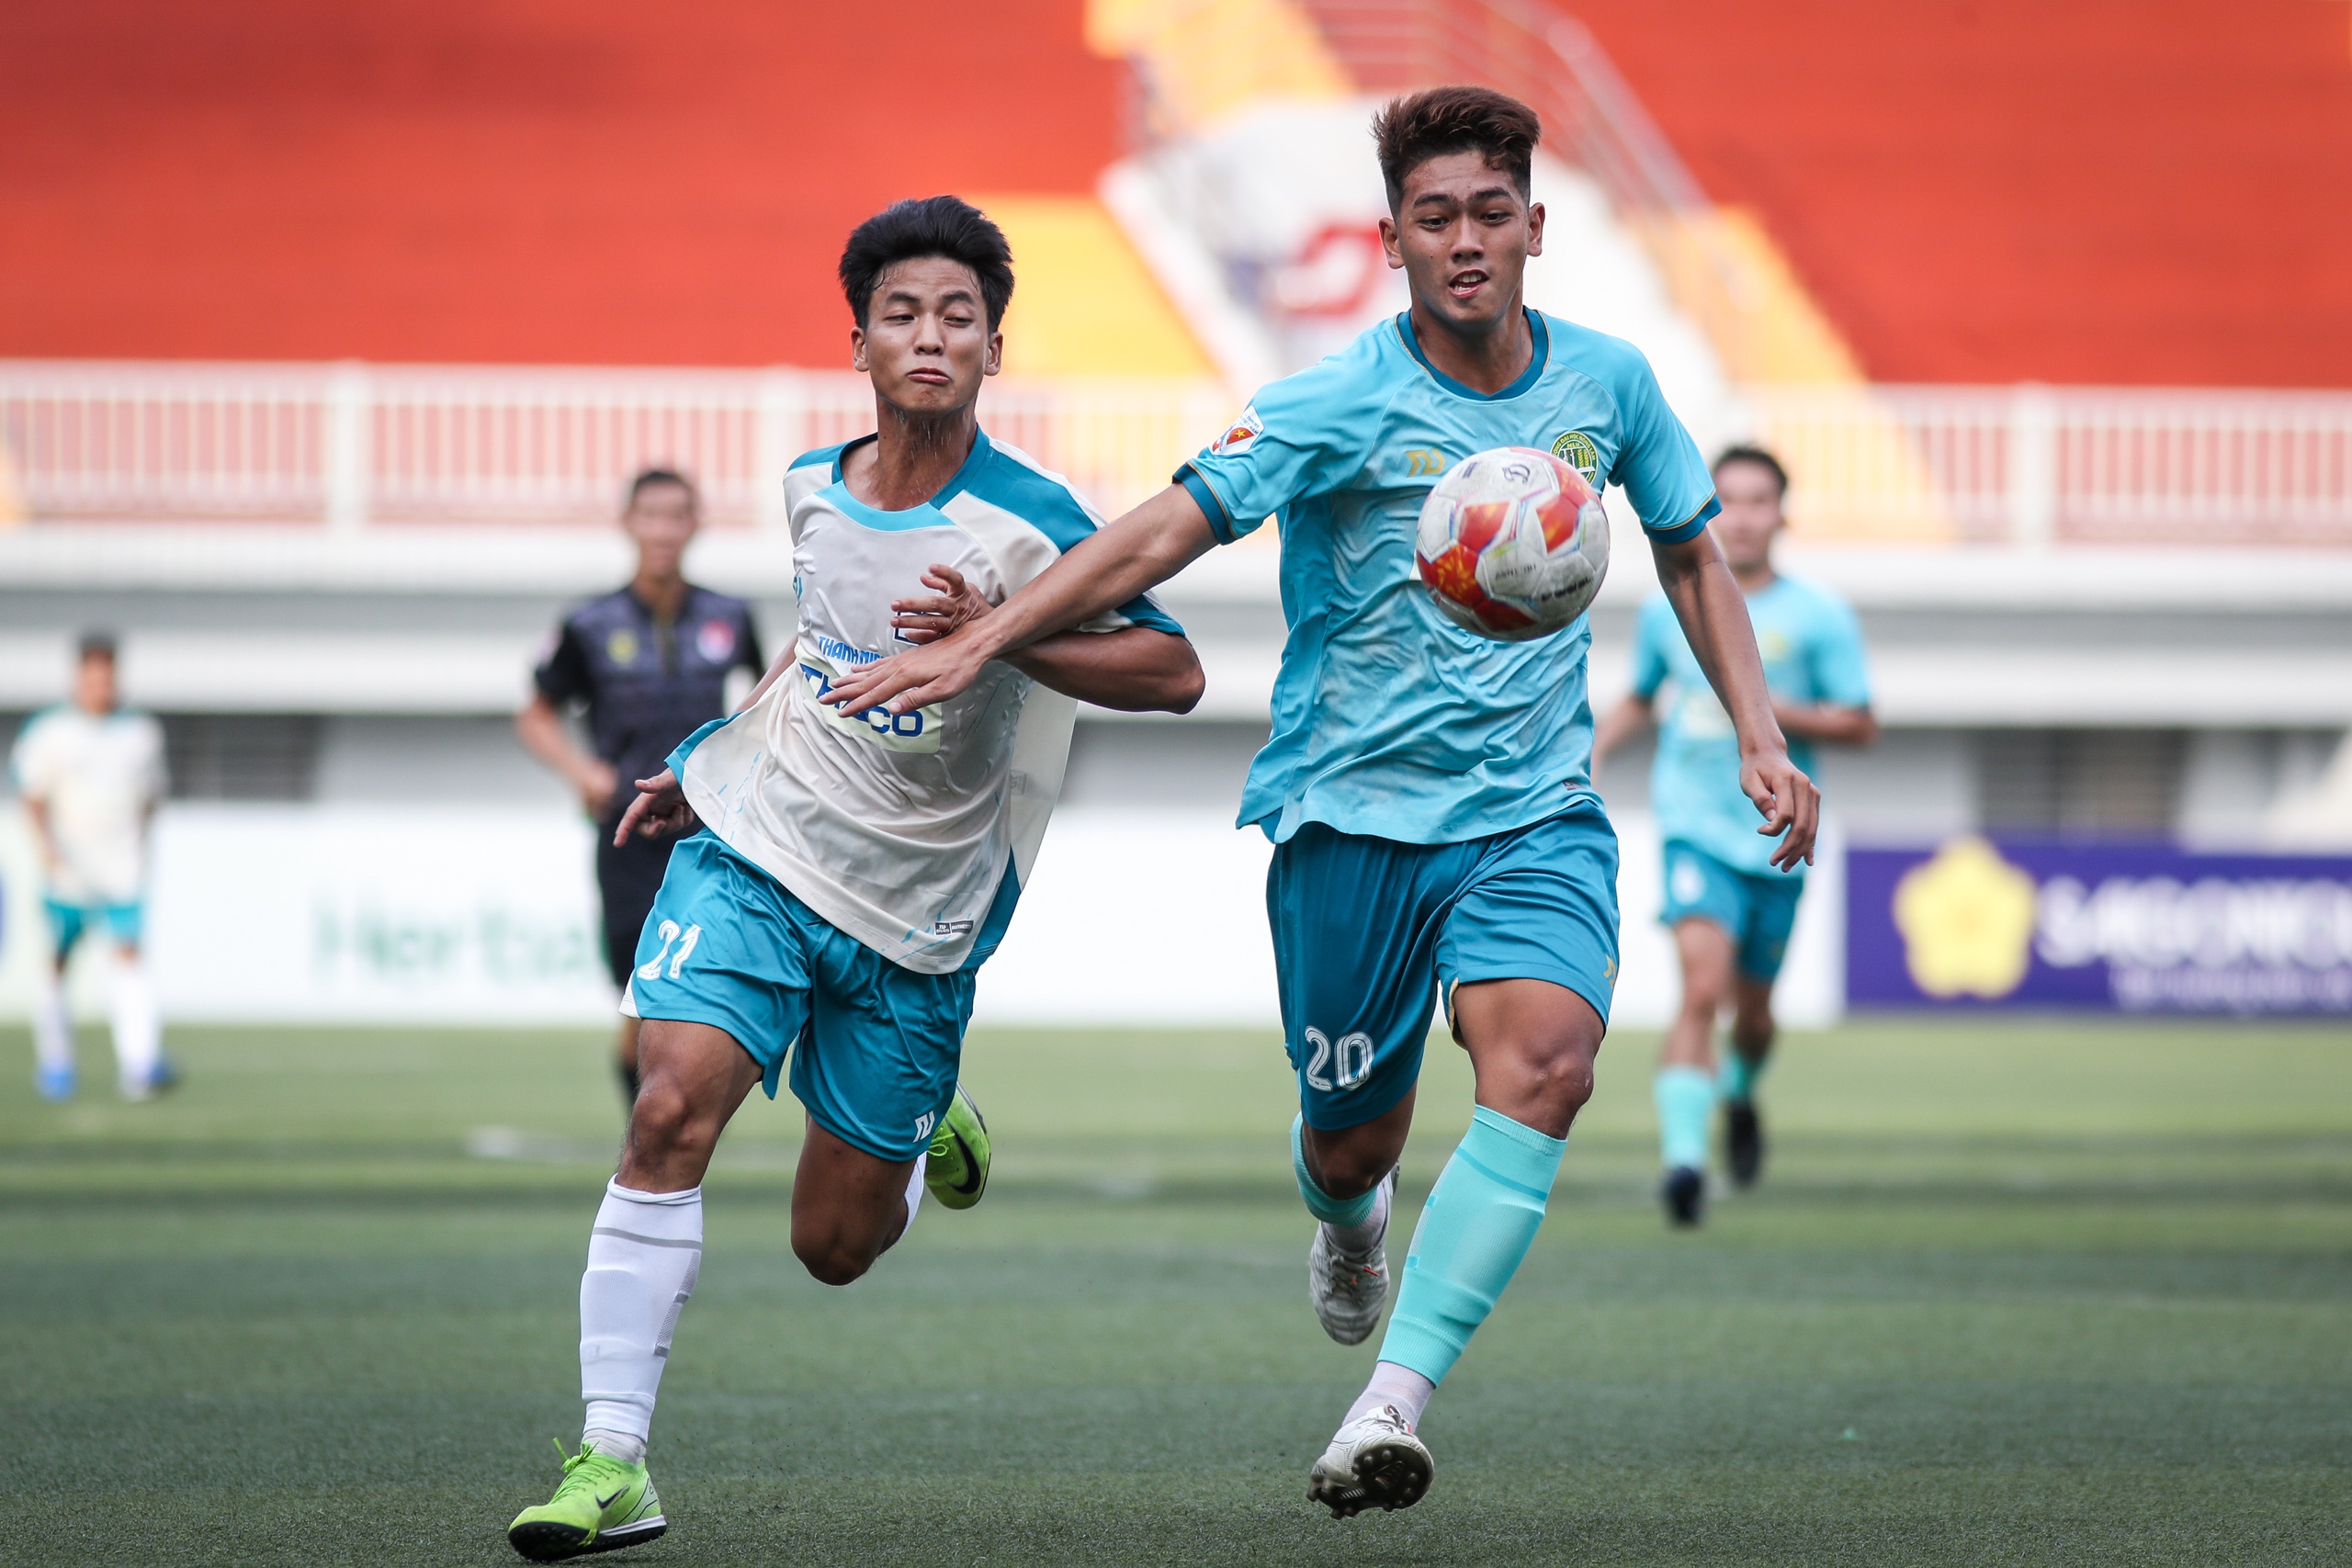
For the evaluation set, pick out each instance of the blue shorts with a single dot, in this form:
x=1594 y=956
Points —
x=68 y=922
x=878 y=1046
x=1368 y=931
x=1756 y=911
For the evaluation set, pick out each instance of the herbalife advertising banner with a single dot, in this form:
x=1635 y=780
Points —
x=2130 y=928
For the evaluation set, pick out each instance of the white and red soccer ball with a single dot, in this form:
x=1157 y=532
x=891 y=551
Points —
x=1512 y=544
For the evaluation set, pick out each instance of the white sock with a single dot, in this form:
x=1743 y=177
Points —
x=52 y=1028
x=643 y=1259
x=914 y=1199
x=622 y=1446
x=1358 y=1240
x=1392 y=1384
x=138 y=1033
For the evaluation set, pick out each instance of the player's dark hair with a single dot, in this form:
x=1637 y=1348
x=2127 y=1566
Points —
x=1745 y=453
x=944 y=225
x=96 y=645
x=648 y=478
x=1412 y=130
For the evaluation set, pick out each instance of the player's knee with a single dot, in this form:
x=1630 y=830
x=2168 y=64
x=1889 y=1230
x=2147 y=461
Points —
x=664 y=1122
x=1559 y=1071
x=829 y=1257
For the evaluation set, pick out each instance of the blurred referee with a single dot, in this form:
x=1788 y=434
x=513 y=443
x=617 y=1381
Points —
x=650 y=663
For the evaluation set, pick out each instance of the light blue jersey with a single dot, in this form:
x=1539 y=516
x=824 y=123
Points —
x=1812 y=648
x=1388 y=720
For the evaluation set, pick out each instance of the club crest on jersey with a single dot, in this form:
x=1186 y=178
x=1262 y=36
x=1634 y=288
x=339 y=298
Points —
x=1239 y=434
x=621 y=646
x=715 y=640
x=1577 y=451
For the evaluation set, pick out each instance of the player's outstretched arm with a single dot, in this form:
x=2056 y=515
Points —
x=1714 y=618
x=1139 y=551
x=1134 y=669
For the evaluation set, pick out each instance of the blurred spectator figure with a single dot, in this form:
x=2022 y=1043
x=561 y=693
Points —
x=650 y=663
x=91 y=774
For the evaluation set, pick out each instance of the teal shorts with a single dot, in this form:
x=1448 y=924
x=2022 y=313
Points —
x=68 y=922
x=1756 y=911
x=874 y=1048
x=1369 y=932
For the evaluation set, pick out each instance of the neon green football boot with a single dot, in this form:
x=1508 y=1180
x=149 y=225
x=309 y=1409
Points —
x=601 y=1505
x=957 y=1169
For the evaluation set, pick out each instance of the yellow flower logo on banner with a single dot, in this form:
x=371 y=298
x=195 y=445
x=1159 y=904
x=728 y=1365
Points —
x=1967 y=921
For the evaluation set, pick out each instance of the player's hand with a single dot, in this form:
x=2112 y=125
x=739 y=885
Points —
x=957 y=603
x=917 y=678
x=1790 y=804
x=659 y=811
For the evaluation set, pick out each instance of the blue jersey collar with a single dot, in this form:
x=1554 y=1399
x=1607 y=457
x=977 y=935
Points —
x=875 y=517
x=1527 y=377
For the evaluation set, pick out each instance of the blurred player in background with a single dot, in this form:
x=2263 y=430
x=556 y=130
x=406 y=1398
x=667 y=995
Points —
x=852 y=869
x=1436 y=833
x=1730 y=907
x=91 y=776
x=651 y=663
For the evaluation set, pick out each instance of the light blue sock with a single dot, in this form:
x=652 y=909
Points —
x=1737 y=1080
x=1479 y=1222
x=1685 y=1102
x=1321 y=1205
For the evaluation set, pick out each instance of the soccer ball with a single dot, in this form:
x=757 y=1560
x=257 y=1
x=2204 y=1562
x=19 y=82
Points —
x=1513 y=544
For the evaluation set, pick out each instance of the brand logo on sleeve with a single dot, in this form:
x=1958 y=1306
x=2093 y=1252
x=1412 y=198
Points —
x=1577 y=451
x=1239 y=435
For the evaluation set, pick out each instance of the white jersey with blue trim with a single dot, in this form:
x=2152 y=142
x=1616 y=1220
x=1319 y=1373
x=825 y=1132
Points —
x=99 y=775
x=912 y=832
x=1389 y=719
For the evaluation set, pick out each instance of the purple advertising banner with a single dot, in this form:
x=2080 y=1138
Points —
x=2129 y=927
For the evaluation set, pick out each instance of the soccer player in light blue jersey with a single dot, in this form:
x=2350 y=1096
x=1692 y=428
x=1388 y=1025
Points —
x=1427 y=791
x=1731 y=909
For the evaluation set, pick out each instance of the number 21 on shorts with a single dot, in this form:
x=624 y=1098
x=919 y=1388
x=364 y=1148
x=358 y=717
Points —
x=672 y=937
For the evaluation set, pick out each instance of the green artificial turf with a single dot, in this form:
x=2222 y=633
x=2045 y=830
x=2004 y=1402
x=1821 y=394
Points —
x=2011 y=1294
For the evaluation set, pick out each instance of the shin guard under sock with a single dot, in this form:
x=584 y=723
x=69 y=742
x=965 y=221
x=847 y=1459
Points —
x=643 y=1259
x=1686 y=1103
x=1480 y=1220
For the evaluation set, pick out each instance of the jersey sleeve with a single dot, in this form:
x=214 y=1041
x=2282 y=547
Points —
x=563 y=676
x=1649 y=648
x=31 y=763
x=1840 y=667
x=1300 y=436
x=1659 y=464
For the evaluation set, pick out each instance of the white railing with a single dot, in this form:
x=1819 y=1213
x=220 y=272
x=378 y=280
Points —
x=349 y=445
x=2034 y=465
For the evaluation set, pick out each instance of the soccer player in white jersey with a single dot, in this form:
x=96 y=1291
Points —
x=1427 y=791
x=847 y=871
x=1731 y=910
x=91 y=774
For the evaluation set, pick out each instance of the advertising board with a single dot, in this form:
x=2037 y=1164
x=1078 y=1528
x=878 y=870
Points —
x=2136 y=928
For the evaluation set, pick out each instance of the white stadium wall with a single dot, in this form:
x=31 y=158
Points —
x=446 y=915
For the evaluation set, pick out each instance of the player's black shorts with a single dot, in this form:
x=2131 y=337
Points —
x=628 y=877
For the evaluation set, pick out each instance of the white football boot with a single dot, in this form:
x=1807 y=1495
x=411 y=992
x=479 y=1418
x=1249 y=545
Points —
x=1374 y=1462
x=1349 y=1288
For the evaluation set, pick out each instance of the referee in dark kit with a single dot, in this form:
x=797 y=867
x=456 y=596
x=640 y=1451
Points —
x=650 y=664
